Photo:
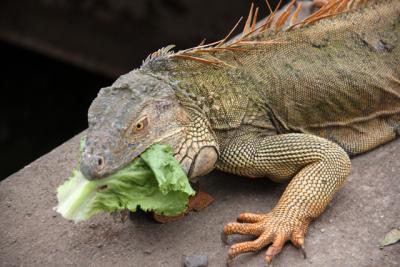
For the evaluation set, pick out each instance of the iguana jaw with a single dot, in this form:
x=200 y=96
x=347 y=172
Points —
x=136 y=112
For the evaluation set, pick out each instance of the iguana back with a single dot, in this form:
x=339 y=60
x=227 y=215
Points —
x=340 y=78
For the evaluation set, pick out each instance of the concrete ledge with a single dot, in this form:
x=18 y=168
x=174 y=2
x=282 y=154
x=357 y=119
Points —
x=347 y=234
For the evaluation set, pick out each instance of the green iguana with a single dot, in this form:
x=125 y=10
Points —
x=289 y=99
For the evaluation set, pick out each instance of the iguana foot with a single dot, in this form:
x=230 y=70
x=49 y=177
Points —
x=273 y=228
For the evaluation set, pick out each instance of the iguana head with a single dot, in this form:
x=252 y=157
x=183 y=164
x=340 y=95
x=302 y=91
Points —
x=137 y=111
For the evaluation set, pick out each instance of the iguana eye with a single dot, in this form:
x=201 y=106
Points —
x=140 y=125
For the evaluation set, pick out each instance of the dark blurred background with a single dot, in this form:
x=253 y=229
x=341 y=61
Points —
x=56 y=55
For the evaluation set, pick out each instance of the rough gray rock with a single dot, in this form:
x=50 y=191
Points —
x=195 y=261
x=363 y=211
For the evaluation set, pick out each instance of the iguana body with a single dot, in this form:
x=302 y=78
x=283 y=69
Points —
x=290 y=105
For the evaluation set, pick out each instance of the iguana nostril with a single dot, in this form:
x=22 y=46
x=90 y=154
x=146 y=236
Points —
x=100 y=162
x=92 y=166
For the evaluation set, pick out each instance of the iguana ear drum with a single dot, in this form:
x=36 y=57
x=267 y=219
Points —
x=204 y=162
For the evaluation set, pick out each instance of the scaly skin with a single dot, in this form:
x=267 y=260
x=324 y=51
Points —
x=318 y=167
x=287 y=105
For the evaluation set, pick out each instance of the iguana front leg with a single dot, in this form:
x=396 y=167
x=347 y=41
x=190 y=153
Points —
x=318 y=167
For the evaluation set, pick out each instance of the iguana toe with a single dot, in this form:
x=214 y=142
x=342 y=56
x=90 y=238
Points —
x=248 y=217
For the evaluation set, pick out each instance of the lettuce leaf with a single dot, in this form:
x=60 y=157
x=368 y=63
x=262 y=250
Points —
x=154 y=182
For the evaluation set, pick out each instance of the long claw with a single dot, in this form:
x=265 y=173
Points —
x=229 y=261
x=303 y=251
x=298 y=240
x=224 y=238
x=275 y=248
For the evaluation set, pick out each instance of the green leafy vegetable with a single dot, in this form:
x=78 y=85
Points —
x=390 y=238
x=154 y=182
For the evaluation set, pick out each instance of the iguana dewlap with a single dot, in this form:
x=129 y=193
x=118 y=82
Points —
x=291 y=99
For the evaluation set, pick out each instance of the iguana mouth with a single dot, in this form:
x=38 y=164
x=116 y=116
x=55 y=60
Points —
x=98 y=162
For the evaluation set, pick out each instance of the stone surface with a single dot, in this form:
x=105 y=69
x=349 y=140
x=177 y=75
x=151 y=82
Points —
x=347 y=234
x=195 y=261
